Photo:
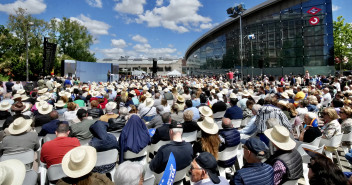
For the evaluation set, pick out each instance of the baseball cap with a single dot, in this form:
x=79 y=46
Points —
x=256 y=146
x=175 y=124
x=208 y=162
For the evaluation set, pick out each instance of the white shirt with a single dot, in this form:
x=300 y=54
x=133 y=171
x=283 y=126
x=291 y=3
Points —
x=337 y=85
x=17 y=86
x=144 y=111
x=326 y=99
x=70 y=115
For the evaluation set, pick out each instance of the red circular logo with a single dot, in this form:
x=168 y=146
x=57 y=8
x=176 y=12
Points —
x=314 y=20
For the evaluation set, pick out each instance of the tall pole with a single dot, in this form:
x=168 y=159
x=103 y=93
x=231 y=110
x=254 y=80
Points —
x=241 y=42
x=27 y=76
x=252 y=56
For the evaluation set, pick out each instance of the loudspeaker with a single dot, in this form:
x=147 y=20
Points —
x=261 y=63
x=155 y=65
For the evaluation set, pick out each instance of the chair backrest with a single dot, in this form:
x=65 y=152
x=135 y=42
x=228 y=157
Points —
x=236 y=123
x=189 y=136
x=49 y=137
x=228 y=153
x=26 y=157
x=315 y=142
x=155 y=147
x=130 y=155
x=291 y=182
x=245 y=122
x=55 y=172
x=149 y=181
x=107 y=157
x=219 y=123
x=31 y=178
x=178 y=177
x=335 y=141
x=347 y=137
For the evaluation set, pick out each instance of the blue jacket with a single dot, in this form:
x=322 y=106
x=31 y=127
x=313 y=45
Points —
x=234 y=112
x=254 y=174
x=49 y=128
x=232 y=138
x=102 y=140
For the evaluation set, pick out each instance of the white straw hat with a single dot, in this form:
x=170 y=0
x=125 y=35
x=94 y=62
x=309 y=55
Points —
x=28 y=105
x=60 y=103
x=19 y=126
x=205 y=111
x=280 y=136
x=233 y=95
x=111 y=105
x=208 y=125
x=16 y=96
x=45 y=108
x=12 y=172
x=42 y=98
x=5 y=105
x=148 y=95
x=79 y=161
x=149 y=102
x=21 y=91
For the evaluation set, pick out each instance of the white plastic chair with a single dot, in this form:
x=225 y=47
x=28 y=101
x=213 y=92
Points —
x=55 y=173
x=346 y=137
x=107 y=157
x=49 y=137
x=85 y=142
x=149 y=180
x=236 y=123
x=178 y=177
x=189 y=136
x=31 y=177
x=298 y=131
x=316 y=142
x=26 y=157
x=228 y=153
x=130 y=155
x=332 y=143
x=155 y=147
x=291 y=182
x=219 y=123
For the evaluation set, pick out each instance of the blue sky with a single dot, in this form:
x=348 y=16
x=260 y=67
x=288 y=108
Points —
x=142 y=28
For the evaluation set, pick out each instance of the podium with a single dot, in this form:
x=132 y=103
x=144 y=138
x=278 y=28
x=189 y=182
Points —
x=114 y=77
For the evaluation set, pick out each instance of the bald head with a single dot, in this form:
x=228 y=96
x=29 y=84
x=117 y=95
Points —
x=54 y=114
x=226 y=123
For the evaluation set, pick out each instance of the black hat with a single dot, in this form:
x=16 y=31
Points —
x=208 y=162
x=255 y=145
x=175 y=124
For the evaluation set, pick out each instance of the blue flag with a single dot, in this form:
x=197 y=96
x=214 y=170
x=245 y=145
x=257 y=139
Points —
x=152 y=132
x=169 y=172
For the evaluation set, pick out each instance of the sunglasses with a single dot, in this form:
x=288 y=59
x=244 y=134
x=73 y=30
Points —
x=342 y=112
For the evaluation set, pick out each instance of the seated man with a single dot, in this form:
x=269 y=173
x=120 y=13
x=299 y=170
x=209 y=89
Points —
x=182 y=151
x=311 y=131
x=109 y=107
x=50 y=128
x=162 y=133
x=81 y=130
x=204 y=170
x=234 y=112
x=254 y=171
x=53 y=151
x=157 y=121
x=229 y=136
x=118 y=123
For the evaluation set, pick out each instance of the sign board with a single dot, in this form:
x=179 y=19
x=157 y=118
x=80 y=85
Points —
x=314 y=10
x=314 y=20
x=152 y=132
x=169 y=172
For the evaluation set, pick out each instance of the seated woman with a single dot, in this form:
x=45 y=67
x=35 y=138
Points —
x=134 y=137
x=332 y=127
x=71 y=112
x=345 y=115
x=95 y=112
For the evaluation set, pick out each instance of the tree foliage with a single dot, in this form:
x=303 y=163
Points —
x=343 y=40
x=72 y=38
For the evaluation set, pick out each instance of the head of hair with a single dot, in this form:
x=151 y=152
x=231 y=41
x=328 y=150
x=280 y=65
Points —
x=157 y=95
x=188 y=103
x=81 y=113
x=54 y=115
x=166 y=117
x=64 y=98
x=256 y=108
x=331 y=112
x=133 y=109
x=249 y=103
x=163 y=102
x=337 y=102
x=203 y=98
x=292 y=109
x=326 y=172
x=347 y=110
x=123 y=111
x=94 y=103
x=62 y=127
x=142 y=98
x=71 y=106
x=128 y=173
x=174 y=108
x=226 y=123
x=233 y=101
x=188 y=115
x=210 y=143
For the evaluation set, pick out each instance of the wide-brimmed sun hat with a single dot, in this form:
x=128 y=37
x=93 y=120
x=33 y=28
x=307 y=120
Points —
x=180 y=99
x=233 y=96
x=111 y=105
x=205 y=111
x=285 y=95
x=19 y=126
x=45 y=108
x=60 y=103
x=21 y=91
x=24 y=97
x=16 y=96
x=149 y=102
x=79 y=161
x=5 y=105
x=280 y=136
x=208 y=125
x=18 y=106
x=95 y=94
x=148 y=95
x=12 y=172
x=27 y=106
x=42 y=98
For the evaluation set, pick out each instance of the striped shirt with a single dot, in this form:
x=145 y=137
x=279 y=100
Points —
x=270 y=111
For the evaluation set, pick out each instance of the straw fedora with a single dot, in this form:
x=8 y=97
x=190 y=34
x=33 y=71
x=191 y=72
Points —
x=208 y=125
x=12 y=171
x=148 y=95
x=149 y=102
x=181 y=99
x=285 y=95
x=27 y=106
x=21 y=91
x=16 y=96
x=95 y=93
x=111 y=105
x=5 y=105
x=79 y=161
x=225 y=91
x=233 y=96
x=205 y=111
x=45 y=109
x=280 y=136
x=133 y=92
x=18 y=106
x=24 y=97
x=60 y=103
x=19 y=126
x=42 y=98
x=145 y=88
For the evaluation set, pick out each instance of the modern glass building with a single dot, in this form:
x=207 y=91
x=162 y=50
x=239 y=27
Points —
x=291 y=36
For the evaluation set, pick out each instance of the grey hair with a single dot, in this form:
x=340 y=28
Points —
x=271 y=122
x=311 y=115
x=177 y=130
x=128 y=173
x=123 y=111
x=256 y=108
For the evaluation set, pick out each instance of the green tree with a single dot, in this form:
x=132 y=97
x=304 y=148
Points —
x=342 y=39
x=72 y=38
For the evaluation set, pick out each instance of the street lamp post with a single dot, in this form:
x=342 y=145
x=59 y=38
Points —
x=27 y=70
x=252 y=37
x=241 y=43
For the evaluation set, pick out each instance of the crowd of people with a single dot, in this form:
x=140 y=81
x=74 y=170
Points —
x=267 y=120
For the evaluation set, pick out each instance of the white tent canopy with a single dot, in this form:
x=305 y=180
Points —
x=138 y=73
x=174 y=73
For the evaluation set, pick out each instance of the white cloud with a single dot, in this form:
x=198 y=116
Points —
x=113 y=52
x=159 y=2
x=95 y=27
x=113 y=34
x=179 y=15
x=119 y=43
x=31 y=6
x=130 y=6
x=170 y=46
x=144 y=48
x=335 y=8
x=140 y=39
x=95 y=3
